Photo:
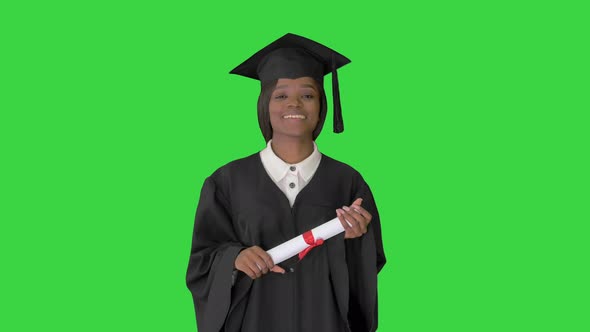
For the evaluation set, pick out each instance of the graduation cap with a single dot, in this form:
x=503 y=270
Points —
x=293 y=56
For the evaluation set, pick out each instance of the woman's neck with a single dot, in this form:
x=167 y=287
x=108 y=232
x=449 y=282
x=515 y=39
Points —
x=292 y=150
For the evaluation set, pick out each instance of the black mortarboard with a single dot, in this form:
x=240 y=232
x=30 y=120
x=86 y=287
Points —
x=293 y=56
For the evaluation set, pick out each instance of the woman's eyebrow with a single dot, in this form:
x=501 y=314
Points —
x=305 y=85
x=308 y=86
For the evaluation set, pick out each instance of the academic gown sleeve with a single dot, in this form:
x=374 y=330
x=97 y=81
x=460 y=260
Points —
x=364 y=258
x=215 y=247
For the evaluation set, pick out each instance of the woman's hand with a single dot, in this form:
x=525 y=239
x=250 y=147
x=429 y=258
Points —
x=255 y=262
x=357 y=217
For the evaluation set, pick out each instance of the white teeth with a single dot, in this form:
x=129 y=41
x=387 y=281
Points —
x=294 y=116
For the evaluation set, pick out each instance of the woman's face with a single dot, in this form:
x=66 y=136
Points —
x=294 y=107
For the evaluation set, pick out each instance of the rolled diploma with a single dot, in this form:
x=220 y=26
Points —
x=288 y=249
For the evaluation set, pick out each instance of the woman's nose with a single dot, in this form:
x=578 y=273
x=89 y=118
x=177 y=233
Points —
x=293 y=101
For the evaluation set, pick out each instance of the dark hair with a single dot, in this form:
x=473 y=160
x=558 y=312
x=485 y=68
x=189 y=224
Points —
x=264 y=116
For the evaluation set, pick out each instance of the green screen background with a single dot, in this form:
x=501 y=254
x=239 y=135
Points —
x=468 y=120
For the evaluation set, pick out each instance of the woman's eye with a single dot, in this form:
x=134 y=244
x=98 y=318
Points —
x=308 y=96
x=280 y=97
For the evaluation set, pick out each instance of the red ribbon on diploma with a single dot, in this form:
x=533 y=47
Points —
x=309 y=239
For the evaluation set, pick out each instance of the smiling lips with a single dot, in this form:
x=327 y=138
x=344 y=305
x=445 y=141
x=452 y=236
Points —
x=295 y=116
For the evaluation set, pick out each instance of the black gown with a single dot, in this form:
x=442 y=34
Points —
x=333 y=288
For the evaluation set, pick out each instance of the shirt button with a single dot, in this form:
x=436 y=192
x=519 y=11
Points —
x=291 y=270
x=291 y=185
x=292 y=168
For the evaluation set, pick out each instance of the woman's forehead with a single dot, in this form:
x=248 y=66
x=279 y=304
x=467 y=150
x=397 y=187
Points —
x=301 y=82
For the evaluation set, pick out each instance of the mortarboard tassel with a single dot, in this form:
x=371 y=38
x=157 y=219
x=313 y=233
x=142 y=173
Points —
x=338 y=121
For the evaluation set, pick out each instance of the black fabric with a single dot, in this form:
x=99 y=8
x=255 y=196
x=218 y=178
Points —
x=312 y=59
x=334 y=288
x=338 y=120
x=290 y=63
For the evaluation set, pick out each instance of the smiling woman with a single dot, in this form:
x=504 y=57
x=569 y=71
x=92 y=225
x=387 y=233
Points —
x=274 y=93
x=294 y=109
x=258 y=202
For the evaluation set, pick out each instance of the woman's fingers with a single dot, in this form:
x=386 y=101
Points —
x=359 y=209
x=345 y=224
x=278 y=269
x=356 y=206
x=352 y=228
x=363 y=217
x=255 y=262
x=355 y=219
x=246 y=262
x=263 y=260
x=348 y=232
x=250 y=266
x=243 y=264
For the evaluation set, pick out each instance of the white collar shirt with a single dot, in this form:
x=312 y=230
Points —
x=290 y=178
